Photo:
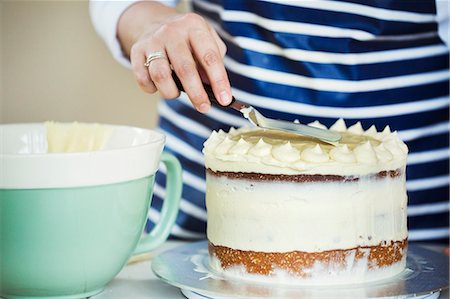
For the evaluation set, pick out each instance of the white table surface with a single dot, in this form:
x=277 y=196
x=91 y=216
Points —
x=136 y=280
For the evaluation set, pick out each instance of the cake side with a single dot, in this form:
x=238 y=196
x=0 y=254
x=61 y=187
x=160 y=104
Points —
x=309 y=216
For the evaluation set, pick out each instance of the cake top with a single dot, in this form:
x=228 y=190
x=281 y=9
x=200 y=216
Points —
x=359 y=152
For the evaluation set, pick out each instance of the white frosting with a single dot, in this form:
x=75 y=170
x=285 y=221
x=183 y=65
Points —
x=372 y=131
x=314 y=154
x=356 y=129
x=240 y=148
x=342 y=154
x=311 y=217
x=215 y=139
x=261 y=149
x=385 y=133
x=383 y=154
x=285 y=153
x=365 y=154
x=76 y=137
x=225 y=146
x=267 y=151
x=339 y=126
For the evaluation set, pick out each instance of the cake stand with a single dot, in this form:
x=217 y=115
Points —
x=187 y=268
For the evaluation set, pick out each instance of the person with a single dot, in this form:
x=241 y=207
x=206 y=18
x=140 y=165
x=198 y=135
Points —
x=380 y=62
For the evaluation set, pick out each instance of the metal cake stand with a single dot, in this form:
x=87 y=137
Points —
x=187 y=268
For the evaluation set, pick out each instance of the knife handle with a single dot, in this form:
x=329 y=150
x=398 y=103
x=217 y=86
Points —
x=208 y=90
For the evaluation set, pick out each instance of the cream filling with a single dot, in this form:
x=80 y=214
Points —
x=309 y=217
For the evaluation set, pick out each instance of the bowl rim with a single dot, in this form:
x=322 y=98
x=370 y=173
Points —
x=160 y=138
x=80 y=169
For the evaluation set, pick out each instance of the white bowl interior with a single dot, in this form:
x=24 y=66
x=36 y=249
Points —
x=32 y=138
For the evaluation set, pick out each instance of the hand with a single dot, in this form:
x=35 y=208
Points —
x=193 y=48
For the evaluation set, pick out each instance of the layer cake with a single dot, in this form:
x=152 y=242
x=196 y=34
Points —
x=292 y=209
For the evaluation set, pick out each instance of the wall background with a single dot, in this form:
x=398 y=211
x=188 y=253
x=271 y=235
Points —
x=53 y=66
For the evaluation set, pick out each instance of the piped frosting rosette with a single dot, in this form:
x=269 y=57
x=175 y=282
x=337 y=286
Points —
x=360 y=152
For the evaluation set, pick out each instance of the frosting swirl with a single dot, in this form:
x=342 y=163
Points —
x=240 y=148
x=286 y=153
x=314 y=154
x=341 y=153
x=268 y=151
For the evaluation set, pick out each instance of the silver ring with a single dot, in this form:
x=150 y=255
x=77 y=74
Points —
x=153 y=56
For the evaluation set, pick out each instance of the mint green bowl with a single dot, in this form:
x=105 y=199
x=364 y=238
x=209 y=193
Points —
x=69 y=222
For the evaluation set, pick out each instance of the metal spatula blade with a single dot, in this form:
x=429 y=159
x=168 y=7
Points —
x=259 y=120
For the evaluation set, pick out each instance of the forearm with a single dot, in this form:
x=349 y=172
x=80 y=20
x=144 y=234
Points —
x=139 y=18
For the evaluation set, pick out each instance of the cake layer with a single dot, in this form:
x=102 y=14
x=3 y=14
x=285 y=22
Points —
x=299 y=178
x=360 y=264
x=255 y=150
x=283 y=216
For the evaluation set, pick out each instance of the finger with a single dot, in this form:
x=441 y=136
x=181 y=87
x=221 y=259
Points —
x=161 y=75
x=186 y=69
x=221 y=45
x=140 y=71
x=209 y=57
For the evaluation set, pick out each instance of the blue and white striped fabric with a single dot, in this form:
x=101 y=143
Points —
x=381 y=62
